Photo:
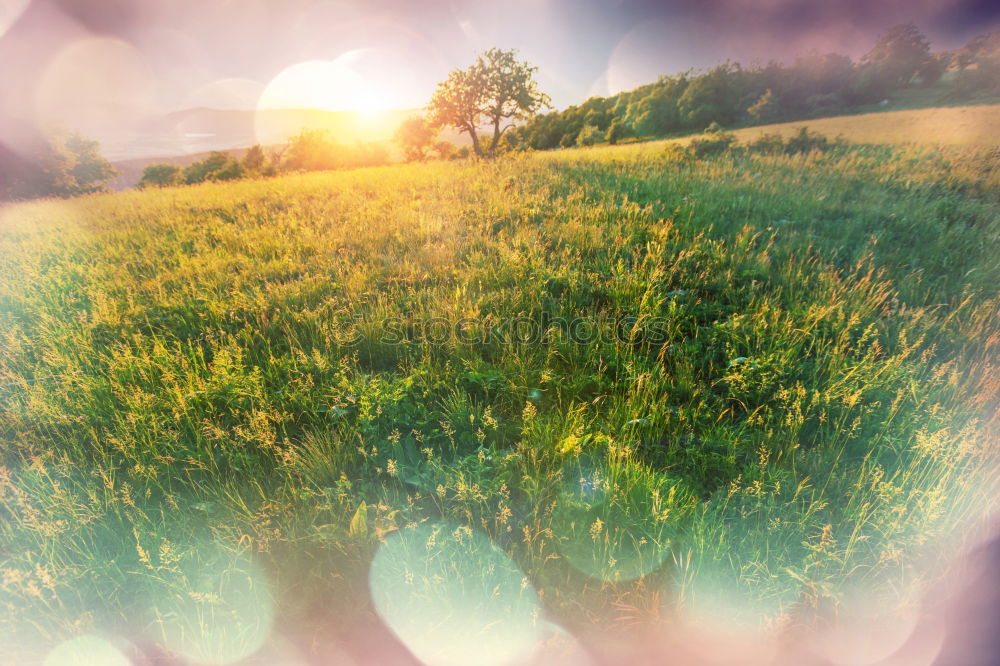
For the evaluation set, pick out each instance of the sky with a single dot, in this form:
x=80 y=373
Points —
x=87 y=62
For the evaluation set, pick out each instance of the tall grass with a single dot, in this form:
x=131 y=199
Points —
x=219 y=400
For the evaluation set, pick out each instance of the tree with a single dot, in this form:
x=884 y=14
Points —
x=766 y=107
x=89 y=171
x=495 y=89
x=68 y=165
x=160 y=175
x=311 y=150
x=589 y=135
x=617 y=131
x=899 y=55
x=253 y=161
x=415 y=136
x=218 y=165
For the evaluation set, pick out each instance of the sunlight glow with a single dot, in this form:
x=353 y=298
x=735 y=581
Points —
x=86 y=650
x=10 y=11
x=454 y=598
x=866 y=632
x=95 y=85
x=227 y=613
x=326 y=86
x=600 y=539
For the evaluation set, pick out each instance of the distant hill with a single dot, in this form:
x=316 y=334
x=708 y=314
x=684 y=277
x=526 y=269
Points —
x=183 y=137
x=201 y=130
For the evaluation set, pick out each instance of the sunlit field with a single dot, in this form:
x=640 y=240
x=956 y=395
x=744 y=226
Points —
x=497 y=405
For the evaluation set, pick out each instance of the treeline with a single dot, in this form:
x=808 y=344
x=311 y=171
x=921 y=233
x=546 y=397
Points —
x=814 y=85
x=310 y=150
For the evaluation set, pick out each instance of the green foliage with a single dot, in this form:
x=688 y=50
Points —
x=982 y=79
x=617 y=131
x=766 y=108
x=218 y=402
x=254 y=162
x=161 y=175
x=801 y=142
x=714 y=141
x=497 y=88
x=713 y=96
x=815 y=85
x=315 y=150
x=218 y=166
x=897 y=57
x=589 y=135
x=415 y=136
x=67 y=165
x=311 y=150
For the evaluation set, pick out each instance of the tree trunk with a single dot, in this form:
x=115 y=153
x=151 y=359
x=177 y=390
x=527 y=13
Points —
x=496 y=136
x=475 y=141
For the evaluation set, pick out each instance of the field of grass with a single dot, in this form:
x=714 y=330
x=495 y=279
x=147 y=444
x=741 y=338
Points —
x=974 y=127
x=965 y=126
x=604 y=389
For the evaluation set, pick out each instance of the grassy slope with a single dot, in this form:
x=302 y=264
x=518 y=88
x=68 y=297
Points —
x=967 y=126
x=976 y=127
x=199 y=376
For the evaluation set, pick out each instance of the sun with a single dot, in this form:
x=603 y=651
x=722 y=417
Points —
x=326 y=85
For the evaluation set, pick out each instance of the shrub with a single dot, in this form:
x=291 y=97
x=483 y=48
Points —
x=805 y=141
x=768 y=144
x=160 y=175
x=714 y=142
x=218 y=165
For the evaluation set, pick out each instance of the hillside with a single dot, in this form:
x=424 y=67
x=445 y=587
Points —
x=606 y=390
x=976 y=128
x=964 y=126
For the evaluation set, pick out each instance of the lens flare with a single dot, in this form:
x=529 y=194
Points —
x=608 y=526
x=866 y=632
x=453 y=597
x=99 y=86
x=557 y=647
x=219 y=609
x=724 y=624
x=10 y=11
x=86 y=650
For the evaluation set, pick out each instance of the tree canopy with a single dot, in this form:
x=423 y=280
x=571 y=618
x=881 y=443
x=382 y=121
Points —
x=415 y=136
x=498 y=88
x=67 y=165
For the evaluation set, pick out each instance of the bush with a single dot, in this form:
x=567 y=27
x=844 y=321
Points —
x=254 y=161
x=714 y=142
x=66 y=166
x=415 y=137
x=675 y=152
x=803 y=141
x=218 y=165
x=160 y=175
x=768 y=144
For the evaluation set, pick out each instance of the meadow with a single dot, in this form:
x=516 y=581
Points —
x=610 y=389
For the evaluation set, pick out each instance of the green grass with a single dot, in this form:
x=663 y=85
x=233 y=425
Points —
x=789 y=391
